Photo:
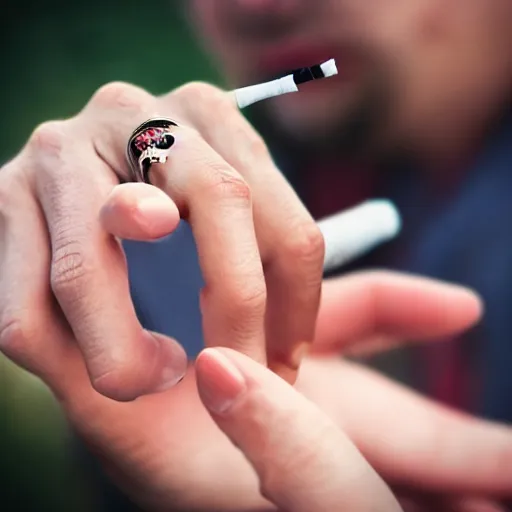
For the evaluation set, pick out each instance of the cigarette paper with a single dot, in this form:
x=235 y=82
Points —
x=351 y=234
x=290 y=83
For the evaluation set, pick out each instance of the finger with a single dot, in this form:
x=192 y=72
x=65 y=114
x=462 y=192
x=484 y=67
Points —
x=425 y=445
x=88 y=271
x=136 y=211
x=304 y=462
x=391 y=307
x=30 y=334
x=217 y=202
x=291 y=245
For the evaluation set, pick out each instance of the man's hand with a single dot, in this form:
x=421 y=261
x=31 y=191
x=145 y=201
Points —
x=62 y=269
x=66 y=313
x=164 y=450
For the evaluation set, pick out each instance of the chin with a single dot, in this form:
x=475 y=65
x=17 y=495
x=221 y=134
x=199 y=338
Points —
x=305 y=120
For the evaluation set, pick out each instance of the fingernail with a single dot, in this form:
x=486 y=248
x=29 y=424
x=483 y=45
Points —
x=174 y=363
x=156 y=204
x=219 y=381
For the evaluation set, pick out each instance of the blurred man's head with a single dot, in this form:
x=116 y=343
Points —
x=410 y=69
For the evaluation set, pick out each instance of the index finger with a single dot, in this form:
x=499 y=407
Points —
x=291 y=244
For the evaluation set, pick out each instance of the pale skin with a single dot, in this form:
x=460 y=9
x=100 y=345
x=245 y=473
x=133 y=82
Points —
x=63 y=209
x=433 y=73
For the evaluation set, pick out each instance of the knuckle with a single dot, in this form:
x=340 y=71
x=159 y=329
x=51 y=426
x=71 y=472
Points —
x=225 y=183
x=257 y=145
x=194 y=139
x=245 y=306
x=243 y=299
x=49 y=137
x=70 y=266
x=198 y=94
x=306 y=244
x=116 y=95
x=16 y=332
x=204 y=101
x=249 y=297
x=251 y=148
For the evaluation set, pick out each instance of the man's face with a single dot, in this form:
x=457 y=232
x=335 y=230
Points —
x=400 y=61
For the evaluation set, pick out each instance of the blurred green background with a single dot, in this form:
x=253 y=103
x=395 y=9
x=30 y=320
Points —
x=54 y=55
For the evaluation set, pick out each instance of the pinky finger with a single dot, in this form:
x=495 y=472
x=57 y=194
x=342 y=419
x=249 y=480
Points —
x=137 y=211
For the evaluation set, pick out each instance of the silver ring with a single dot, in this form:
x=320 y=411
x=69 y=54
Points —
x=150 y=143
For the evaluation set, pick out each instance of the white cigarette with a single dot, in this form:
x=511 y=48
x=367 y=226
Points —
x=351 y=234
x=246 y=96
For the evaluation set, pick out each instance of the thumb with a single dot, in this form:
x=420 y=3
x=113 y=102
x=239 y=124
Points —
x=304 y=461
x=137 y=211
